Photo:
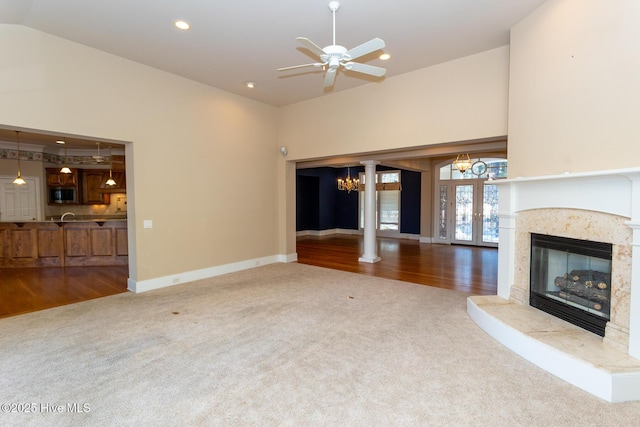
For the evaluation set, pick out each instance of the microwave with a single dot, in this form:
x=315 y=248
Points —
x=62 y=195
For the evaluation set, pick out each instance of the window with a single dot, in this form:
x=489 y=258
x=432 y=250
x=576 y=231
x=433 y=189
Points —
x=387 y=200
x=496 y=169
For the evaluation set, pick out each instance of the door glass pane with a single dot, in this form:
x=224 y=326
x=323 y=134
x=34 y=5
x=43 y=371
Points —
x=442 y=219
x=490 y=214
x=464 y=212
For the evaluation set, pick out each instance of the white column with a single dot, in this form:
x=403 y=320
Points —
x=634 y=309
x=506 y=245
x=369 y=254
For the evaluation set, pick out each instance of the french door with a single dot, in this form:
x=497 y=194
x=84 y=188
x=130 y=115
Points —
x=468 y=213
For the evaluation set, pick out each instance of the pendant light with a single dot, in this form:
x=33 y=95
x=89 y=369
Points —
x=462 y=162
x=65 y=168
x=18 y=179
x=111 y=182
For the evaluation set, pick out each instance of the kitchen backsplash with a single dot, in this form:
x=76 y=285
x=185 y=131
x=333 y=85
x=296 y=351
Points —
x=118 y=206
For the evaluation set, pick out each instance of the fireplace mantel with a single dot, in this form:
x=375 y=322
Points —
x=589 y=195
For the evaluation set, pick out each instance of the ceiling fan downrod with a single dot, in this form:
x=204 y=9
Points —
x=334 y=6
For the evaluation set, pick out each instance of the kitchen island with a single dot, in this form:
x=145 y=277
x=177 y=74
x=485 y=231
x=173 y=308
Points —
x=85 y=242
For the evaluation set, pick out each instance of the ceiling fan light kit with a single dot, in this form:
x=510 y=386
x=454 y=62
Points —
x=335 y=56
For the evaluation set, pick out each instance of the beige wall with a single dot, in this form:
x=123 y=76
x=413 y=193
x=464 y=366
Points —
x=575 y=88
x=455 y=101
x=201 y=163
x=572 y=72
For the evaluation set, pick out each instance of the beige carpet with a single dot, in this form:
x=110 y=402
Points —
x=284 y=344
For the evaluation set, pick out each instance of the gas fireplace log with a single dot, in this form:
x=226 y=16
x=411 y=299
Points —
x=583 y=290
x=590 y=278
x=581 y=301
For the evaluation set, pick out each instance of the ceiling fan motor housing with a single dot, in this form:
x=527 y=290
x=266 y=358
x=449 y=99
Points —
x=334 y=55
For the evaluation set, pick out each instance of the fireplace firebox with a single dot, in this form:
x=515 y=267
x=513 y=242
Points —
x=571 y=279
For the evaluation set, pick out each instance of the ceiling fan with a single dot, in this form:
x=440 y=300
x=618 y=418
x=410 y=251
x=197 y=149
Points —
x=98 y=158
x=335 y=56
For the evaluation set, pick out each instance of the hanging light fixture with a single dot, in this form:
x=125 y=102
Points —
x=111 y=182
x=18 y=179
x=462 y=162
x=348 y=184
x=65 y=168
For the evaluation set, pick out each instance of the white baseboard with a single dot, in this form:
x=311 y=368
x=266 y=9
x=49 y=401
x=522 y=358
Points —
x=327 y=232
x=331 y=231
x=205 y=273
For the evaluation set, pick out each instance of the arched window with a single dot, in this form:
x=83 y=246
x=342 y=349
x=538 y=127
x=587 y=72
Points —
x=482 y=167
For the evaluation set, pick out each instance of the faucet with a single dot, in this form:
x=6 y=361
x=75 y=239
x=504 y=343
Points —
x=65 y=214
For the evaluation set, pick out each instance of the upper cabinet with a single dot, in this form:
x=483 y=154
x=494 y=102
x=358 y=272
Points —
x=92 y=181
x=90 y=185
x=57 y=179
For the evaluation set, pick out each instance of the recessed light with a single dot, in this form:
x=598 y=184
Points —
x=60 y=141
x=183 y=25
x=385 y=56
x=250 y=85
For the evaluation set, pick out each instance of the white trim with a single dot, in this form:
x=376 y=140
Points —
x=205 y=273
x=327 y=232
x=425 y=239
x=613 y=387
x=383 y=233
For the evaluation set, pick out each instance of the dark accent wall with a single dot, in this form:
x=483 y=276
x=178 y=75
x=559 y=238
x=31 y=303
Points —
x=307 y=202
x=410 y=202
x=321 y=206
x=324 y=207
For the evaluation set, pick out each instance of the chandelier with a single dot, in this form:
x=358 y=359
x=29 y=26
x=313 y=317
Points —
x=462 y=162
x=348 y=184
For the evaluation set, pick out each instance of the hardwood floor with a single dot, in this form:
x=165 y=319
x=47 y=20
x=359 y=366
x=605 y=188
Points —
x=23 y=290
x=463 y=268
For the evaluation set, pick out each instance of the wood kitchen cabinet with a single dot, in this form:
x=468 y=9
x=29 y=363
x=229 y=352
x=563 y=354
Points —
x=60 y=244
x=31 y=245
x=89 y=243
x=92 y=187
x=57 y=179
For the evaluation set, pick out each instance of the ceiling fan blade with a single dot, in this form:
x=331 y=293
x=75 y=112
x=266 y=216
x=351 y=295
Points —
x=365 y=48
x=310 y=45
x=293 y=67
x=330 y=77
x=365 y=69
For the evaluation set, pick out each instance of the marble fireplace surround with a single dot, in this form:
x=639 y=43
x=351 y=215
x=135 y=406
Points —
x=601 y=206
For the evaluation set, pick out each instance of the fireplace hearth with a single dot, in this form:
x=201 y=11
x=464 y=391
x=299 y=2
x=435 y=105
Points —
x=571 y=279
x=599 y=206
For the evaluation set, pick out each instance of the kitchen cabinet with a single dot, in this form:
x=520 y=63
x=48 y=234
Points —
x=60 y=244
x=92 y=187
x=31 y=245
x=57 y=179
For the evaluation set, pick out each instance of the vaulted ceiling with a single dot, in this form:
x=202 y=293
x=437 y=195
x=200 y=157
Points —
x=233 y=42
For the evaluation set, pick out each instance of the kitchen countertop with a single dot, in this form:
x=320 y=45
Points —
x=79 y=218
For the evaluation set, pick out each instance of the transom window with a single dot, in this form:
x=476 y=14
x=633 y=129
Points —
x=491 y=168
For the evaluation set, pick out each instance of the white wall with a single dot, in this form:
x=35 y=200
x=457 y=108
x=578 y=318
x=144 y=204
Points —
x=201 y=163
x=574 y=94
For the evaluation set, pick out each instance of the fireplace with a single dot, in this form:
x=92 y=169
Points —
x=581 y=209
x=571 y=279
